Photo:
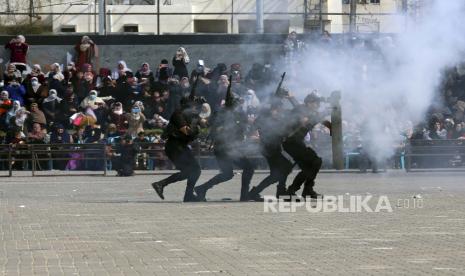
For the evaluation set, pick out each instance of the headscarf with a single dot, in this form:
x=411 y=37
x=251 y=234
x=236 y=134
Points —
x=184 y=54
x=35 y=87
x=5 y=94
x=65 y=137
x=142 y=70
x=15 y=107
x=52 y=96
x=116 y=71
x=205 y=114
x=250 y=100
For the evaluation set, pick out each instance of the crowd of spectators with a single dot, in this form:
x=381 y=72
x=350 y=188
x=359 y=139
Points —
x=78 y=103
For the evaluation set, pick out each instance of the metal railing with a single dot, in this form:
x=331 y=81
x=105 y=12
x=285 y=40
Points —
x=435 y=154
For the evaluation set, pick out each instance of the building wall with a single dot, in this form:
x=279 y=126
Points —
x=85 y=22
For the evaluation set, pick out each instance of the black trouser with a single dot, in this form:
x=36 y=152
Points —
x=280 y=168
x=184 y=161
x=309 y=163
x=225 y=163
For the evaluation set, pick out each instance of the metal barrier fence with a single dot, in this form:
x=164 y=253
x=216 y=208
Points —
x=91 y=157
x=435 y=154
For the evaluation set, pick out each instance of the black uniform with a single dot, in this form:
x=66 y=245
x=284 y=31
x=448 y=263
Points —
x=228 y=135
x=272 y=130
x=124 y=163
x=305 y=157
x=178 y=151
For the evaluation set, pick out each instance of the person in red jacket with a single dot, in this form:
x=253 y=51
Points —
x=18 y=48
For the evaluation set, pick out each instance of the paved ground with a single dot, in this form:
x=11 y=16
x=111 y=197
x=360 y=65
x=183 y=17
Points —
x=117 y=226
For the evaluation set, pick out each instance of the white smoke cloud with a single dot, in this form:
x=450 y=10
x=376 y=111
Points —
x=383 y=91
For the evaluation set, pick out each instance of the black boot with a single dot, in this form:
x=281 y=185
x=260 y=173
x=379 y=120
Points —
x=254 y=196
x=201 y=192
x=309 y=192
x=158 y=187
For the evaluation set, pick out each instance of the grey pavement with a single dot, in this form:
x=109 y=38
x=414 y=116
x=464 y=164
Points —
x=94 y=225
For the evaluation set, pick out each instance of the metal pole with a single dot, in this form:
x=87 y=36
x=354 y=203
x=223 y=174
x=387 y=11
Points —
x=336 y=131
x=259 y=17
x=31 y=8
x=33 y=160
x=101 y=17
x=10 y=165
x=104 y=160
x=322 y=27
x=305 y=15
x=158 y=17
x=232 y=16
x=353 y=16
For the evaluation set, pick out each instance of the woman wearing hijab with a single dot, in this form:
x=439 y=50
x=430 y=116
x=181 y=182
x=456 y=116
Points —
x=93 y=101
x=52 y=107
x=135 y=121
x=60 y=136
x=35 y=91
x=36 y=72
x=180 y=61
x=11 y=74
x=120 y=71
x=145 y=75
x=204 y=115
x=118 y=117
x=86 y=52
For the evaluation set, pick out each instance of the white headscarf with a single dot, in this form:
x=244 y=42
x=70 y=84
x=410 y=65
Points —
x=52 y=95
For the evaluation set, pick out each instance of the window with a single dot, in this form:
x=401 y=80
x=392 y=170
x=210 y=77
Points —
x=131 y=28
x=375 y=1
x=68 y=29
x=211 y=26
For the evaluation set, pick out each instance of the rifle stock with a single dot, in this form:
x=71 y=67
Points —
x=278 y=89
x=193 y=89
x=228 y=101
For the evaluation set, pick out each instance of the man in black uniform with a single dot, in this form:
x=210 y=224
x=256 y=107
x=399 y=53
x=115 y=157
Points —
x=305 y=157
x=228 y=135
x=181 y=130
x=271 y=125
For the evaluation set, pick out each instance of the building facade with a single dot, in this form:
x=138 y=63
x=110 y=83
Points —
x=207 y=16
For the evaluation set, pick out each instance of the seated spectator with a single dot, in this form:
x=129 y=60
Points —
x=103 y=75
x=5 y=102
x=92 y=100
x=11 y=74
x=436 y=131
x=52 y=107
x=18 y=52
x=37 y=135
x=54 y=69
x=118 y=118
x=36 y=72
x=120 y=71
x=157 y=122
x=145 y=75
x=204 y=115
x=112 y=132
x=35 y=91
x=135 y=121
x=164 y=72
x=85 y=84
x=19 y=117
x=180 y=61
x=36 y=116
x=16 y=91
